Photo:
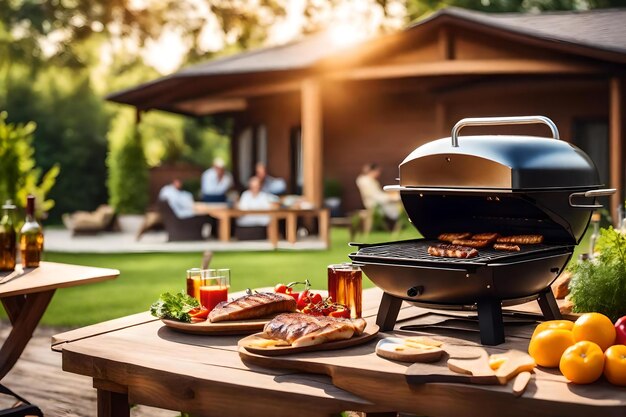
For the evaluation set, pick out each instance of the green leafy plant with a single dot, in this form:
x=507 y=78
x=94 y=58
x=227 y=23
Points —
x=128 y=175
x=599 y=285
x=19 y=175
x=174 y=306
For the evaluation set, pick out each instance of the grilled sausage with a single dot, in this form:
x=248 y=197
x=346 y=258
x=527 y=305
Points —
x=449 y=237
x=486 y=236
x=521 y=239
x=472 y=243
x=506 y=247
x=452 y=251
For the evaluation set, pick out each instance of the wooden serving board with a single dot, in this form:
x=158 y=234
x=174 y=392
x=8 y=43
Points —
x=368 y=334
x=218 y=329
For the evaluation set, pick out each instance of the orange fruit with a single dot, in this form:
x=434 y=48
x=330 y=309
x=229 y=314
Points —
x=553 y=324
x=548 y=345
x=615 y=365
x=582 y=363
x=596 y=328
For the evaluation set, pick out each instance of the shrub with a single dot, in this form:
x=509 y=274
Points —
x=128 y=175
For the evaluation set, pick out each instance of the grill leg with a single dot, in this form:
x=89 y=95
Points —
x=490 y=322
x=388 y=312
x=548 y=305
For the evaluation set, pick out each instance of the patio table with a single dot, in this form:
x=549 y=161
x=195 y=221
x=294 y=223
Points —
x=136 y=360
x=25 y=295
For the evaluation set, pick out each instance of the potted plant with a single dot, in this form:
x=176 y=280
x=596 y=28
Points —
x=332 y=196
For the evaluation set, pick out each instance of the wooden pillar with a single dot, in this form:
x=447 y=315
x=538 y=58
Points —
x=138 y=114
x=312 y=141
x=616 y=138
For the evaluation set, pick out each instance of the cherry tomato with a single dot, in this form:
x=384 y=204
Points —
x=303 y=300
x=341 y=312
x=312 y=310
x=280 y=288
x=199 y=313
x=290 y=292
x=316 y=298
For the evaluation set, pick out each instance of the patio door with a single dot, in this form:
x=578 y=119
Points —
x=251 y=148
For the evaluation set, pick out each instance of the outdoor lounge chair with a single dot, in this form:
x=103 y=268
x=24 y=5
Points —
x=182 y=229
x=92 y=222
x=22 y=408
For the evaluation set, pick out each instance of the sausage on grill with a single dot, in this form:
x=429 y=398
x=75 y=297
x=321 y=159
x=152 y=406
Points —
x=506 y=247
x=486 y=236
x=472 y=243
x=521 y=239
x=450 y=237
x=452 y=251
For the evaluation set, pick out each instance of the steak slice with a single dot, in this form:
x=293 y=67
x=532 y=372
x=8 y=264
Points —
x=300 y=329
x=452 y=251
x=252 y=306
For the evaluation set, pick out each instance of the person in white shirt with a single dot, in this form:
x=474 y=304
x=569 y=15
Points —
x=179 y=200
x=269 y=184
x=255 y=199
x=216 y=182
x=373 y=194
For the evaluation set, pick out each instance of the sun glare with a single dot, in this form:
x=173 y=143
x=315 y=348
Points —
x=346 y=34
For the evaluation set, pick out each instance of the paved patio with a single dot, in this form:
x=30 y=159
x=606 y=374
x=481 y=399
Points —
x=61 y=240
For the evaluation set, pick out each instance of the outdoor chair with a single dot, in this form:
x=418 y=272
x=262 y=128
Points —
x=22 y=407
x=251 y=232
x=182 y=229
x=88 y=223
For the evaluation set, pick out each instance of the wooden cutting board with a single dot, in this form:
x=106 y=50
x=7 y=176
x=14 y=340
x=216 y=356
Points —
x=368 y=334
x=218 y=329
x=474 y=370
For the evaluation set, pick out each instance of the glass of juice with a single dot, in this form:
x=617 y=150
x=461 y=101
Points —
x=348 y=287
x=194 y=281
x=214 y=288
x=332 y=279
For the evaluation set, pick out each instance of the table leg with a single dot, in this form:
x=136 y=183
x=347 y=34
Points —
x=292 y=227
x=25 y=320
x=323 y=224
x=112 y=404
x=13 y=305
x=272 y=231
x=224 y=228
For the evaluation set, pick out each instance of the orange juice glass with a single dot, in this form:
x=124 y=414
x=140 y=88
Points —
x=214 y=288
x=347 y=285
x=194 y=281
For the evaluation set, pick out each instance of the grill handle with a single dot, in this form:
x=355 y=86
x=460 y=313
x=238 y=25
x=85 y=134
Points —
x=491 y=121
x=590 y=194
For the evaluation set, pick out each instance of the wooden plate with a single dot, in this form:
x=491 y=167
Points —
x=370 y=333
x=219 y=328
x=386 y=348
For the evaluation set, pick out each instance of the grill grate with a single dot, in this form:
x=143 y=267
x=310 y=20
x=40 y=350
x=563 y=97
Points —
x=417 y=251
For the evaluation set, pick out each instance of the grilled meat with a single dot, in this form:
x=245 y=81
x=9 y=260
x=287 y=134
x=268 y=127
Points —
x=521 y=239
x=252 y=306
x=303 y=330
x=449 y=237
x=486 y=236
x=452 y=251
x=507 y=247
x=472 y=243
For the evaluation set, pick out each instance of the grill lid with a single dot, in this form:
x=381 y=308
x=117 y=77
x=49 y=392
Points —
x=499 y=162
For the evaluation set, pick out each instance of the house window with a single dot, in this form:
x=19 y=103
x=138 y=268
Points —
x=297 y=175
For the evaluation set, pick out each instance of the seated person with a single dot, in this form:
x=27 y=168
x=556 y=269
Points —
x=180 y=201
x=255 y=199
x=269 y=184
x=216 y=182
x=373 y=194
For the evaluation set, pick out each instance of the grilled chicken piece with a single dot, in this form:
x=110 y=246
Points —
x=521 y=239
x=300 y=329
x=506 y=247
x=449 y=237
x=452 y=251
x=486 y=236
x=252 y=306
x=472 y=243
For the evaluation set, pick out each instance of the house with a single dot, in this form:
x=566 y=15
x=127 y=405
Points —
x=315 y=111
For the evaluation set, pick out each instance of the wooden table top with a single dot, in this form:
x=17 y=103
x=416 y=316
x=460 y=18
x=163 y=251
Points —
x=50 y=276
x=166 y=369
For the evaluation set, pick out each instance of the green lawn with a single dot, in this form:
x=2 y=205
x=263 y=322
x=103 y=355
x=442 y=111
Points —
x=144 y=276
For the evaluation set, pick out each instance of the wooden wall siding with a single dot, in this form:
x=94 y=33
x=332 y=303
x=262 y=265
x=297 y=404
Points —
x=616 y=134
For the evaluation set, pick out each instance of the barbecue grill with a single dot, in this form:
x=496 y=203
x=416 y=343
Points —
x=511 y=185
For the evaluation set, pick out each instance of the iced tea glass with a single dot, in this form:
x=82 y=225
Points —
x=214 y=289
x=345 y=282
x=194 y=281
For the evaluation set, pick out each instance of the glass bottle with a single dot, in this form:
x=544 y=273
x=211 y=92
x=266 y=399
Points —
x=31 y=237
x=8 y=239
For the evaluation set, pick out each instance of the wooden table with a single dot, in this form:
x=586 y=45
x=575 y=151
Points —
x=25 y=295
x=137 y=360
x=290 y=215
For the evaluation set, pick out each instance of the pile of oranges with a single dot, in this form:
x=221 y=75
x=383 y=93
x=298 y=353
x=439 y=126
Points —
x=582 y=350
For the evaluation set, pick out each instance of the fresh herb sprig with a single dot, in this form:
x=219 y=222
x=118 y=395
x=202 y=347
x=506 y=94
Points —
x=599 y=285
x=174 y=306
